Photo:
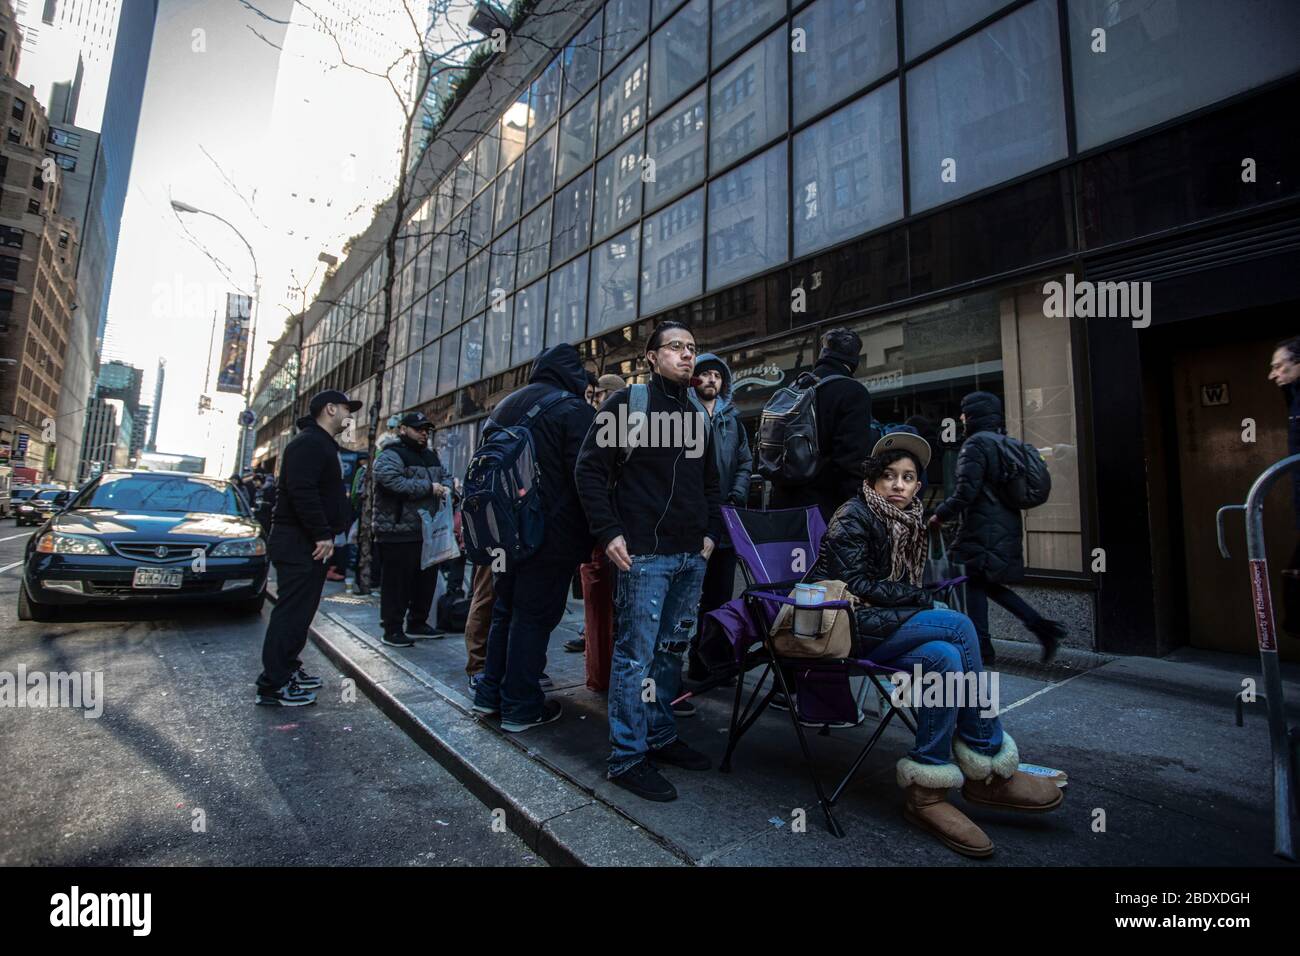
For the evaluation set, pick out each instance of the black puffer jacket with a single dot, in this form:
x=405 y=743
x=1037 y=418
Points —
x=844 y=436
x=857 y=549
x=557 y=436
x=988 y=542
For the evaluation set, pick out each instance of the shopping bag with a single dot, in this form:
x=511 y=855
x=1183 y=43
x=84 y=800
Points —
x=438 y=538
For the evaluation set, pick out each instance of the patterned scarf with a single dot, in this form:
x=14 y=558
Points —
x=911 y=545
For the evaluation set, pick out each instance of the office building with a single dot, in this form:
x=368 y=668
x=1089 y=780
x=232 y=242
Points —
x=932 y=175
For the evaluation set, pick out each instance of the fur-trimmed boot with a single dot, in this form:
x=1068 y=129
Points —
x=926 y=787
x=995 y=782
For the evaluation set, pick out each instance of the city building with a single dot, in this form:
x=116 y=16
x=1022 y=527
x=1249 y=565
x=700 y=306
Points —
x=156 y=411
x=108 y=437
x=38 y=250
x=957 y=183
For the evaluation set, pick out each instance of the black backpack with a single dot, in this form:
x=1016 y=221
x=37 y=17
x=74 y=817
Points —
x=452 y=612
x=788 y=451
x=1023 y=481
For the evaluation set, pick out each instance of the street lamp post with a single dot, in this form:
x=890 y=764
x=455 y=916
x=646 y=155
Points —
x=180 y=207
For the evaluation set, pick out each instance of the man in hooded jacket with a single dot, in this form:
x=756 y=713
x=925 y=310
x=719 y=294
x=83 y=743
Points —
x=988 y=544
x=844 y=433
x=735 y=463
x=531 y=595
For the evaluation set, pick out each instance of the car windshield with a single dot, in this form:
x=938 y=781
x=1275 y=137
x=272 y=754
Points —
x=161 y=493
x=48 y=495
x=22 y=494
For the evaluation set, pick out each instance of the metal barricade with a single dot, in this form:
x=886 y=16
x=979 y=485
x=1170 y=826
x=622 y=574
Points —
x=1282 y=740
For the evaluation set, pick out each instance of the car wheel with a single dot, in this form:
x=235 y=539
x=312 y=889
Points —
x=29 y=610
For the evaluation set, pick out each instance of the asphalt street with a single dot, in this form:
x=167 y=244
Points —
x=182 y=768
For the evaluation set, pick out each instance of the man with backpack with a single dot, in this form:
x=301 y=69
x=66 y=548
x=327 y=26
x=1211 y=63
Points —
x=997 y=477
x=521 y=511
x=408 y=478
x=815 y=435
x=735 y=464
x=653 y=503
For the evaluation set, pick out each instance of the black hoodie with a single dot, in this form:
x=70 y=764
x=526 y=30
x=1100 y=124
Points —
x=312 y=500
x=557 y=436
x=661 y=500
x=845 y=437
x=989 y=540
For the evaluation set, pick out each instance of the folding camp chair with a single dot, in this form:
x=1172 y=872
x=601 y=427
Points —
x=775 y=548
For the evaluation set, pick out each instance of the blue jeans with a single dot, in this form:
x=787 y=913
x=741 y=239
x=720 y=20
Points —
x=942 y=642
x=529 y=604
x=655 y=607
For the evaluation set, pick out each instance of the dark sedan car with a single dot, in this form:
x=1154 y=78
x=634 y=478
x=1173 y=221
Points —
x=41 y=506
x=145 y=537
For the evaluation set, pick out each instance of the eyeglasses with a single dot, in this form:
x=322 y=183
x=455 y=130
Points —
x=677 y=345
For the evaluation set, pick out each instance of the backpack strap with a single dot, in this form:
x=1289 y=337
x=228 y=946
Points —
x=638 y=401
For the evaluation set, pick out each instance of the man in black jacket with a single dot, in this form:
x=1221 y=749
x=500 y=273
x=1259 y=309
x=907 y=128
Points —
x=408 y=477
x=310 y=510
x=531 y=595
x=988 y=544
x=845 y=436
x=653 y=504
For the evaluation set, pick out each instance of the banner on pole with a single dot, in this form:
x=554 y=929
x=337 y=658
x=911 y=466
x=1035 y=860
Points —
x=234 y=344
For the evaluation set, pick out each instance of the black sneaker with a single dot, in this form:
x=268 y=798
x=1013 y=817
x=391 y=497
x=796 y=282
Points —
x=306 y=681
x=684 y=708
x=397 y=639
x=422 y=629
x=576 y=646
x=645 y=780
x=678 y=754
x=290 y=695
x=545 y=683
x=551 y=712
x=779 y=701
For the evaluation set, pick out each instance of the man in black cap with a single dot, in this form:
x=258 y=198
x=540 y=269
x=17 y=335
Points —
x=408 y=476
x=845 y=435
x=311 y=509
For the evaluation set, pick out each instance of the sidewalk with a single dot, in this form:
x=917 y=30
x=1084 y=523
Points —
x=1150 y=742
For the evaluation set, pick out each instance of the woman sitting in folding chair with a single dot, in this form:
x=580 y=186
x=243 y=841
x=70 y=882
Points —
x=876 y=544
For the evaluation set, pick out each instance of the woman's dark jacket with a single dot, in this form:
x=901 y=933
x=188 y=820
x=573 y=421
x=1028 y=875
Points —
x=857 y=549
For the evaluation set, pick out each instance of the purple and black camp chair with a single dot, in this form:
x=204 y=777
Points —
x=775 y=549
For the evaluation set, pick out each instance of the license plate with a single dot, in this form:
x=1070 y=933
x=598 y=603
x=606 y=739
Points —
x=156 y=578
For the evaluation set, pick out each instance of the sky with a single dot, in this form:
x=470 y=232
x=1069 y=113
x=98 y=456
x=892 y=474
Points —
x=292 y=152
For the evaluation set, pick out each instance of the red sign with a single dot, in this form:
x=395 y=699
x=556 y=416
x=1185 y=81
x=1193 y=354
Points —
x=1263 y=605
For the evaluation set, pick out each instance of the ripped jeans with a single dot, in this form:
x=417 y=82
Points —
x=655 y=607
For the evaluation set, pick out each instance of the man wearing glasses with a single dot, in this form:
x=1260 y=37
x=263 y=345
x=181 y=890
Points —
x=654 y=508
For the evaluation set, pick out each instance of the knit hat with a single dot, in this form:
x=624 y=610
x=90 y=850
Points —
x=842 y=345
x=610 y=382
x=712 y=362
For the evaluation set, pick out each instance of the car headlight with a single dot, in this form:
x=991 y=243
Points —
x=240 y=548
x=26 y=508
x=57 y=542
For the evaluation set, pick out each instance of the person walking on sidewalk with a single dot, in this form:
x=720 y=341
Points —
x=597 y=582
x=876 y=544
x=310 y=510
x=1284 y=372
x=988 y=543
x=531 y=594
x=654 y=507
x=407 y=482
x=844 y=432
x=735 y=463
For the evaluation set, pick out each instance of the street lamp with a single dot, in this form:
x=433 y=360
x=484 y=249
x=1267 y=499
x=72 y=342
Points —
x=181 y=207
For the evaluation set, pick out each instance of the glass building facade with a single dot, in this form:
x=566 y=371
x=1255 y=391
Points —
x=765 y=170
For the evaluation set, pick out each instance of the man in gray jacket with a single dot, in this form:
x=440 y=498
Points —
x=735 y=463
x=408 y=476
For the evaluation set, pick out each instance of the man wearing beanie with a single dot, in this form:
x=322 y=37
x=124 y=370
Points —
x=844 y=433
x=988 y=544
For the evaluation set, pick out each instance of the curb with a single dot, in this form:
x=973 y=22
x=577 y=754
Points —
x=566 y=824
